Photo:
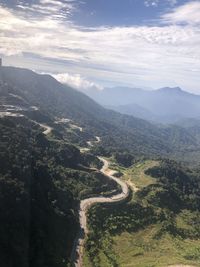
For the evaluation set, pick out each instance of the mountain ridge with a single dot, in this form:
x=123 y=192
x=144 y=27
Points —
x=164 y=105
x=118 y=131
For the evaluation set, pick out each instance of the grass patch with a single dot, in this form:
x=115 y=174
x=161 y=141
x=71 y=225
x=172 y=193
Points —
x=147 y=231
x=136 y=174
x=142 y=249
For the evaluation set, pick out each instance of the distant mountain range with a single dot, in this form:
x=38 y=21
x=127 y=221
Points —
x=165 y=105
x=44 y=99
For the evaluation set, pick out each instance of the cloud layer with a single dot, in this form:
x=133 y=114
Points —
x=76 y=81
x=153 y=56
x=187 y=14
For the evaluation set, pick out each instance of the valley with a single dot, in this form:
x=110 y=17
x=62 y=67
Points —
x=99 y=187
x=99 y=133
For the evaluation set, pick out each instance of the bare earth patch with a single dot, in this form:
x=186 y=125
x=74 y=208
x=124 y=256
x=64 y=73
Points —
x=132 y=185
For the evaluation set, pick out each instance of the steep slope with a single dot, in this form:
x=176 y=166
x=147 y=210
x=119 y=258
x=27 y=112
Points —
x=118 y=131
x=46 y=93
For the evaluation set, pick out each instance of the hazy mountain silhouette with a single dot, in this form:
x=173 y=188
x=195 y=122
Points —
x=164 y=105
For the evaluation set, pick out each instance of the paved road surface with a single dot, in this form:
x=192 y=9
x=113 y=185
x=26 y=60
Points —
x=77 y=252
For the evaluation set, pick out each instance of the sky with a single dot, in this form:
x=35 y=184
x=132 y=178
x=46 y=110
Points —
x=92 y=44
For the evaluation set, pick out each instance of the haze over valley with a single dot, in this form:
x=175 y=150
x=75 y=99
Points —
x=165 y=105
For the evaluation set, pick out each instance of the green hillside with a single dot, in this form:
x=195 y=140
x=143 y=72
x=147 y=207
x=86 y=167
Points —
x=158 y=226
x=48 y=167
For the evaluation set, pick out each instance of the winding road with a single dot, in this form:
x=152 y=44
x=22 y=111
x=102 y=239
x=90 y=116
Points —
x=78 y=246
x=47 y=128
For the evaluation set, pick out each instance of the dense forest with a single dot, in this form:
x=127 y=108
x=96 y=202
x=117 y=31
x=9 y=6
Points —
x=44 y=177
x=41 y=182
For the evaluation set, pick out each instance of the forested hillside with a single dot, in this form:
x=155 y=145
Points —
x=158 y=226
x=41 y=183
x=118 y=131
x=49 y=163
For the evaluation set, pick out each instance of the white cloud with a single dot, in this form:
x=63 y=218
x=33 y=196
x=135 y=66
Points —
x=76 y=81
x=139 y=55
x=49 y=8
x=188 y=13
